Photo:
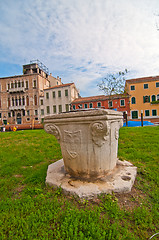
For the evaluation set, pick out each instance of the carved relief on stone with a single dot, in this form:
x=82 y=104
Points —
x=120 y=124
x=52 y=129
x=116 y=133
x=72 y=142
x=100 y=131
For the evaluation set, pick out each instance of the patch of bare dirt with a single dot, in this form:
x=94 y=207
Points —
x=129 y=201
x=17 y=191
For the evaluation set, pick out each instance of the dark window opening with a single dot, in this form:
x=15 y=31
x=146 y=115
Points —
x=91 y=105
x=153 y=98
x=110 y=104
x=19 y=101
x=35 y=100
x=26 y=84
x=34 y=70
x=146 y=86
x=134 y=114
x=66 y=93
x=23 y=101
x=133 y=100
x=27 y=100
x=53 y=94
x=132 y=87
x=59 y=93
x=154 y=112
x=147 y=113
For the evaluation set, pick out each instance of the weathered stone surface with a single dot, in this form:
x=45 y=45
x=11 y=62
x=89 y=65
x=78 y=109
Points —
x=88 y=139
x=89 y=145
x=120 y=180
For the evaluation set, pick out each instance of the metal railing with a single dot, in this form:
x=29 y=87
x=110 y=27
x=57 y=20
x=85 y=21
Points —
x=41 y=65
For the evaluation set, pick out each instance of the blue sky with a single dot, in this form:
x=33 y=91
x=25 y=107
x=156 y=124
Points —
x=80 y=40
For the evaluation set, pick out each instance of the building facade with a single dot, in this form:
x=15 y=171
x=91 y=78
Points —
x=58 y=99
x=19 y=95
x=144 y=97
x=119 y=102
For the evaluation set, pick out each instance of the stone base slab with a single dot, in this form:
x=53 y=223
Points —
x=120 y=180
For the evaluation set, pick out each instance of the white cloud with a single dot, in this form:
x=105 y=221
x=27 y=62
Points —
x=82 y=40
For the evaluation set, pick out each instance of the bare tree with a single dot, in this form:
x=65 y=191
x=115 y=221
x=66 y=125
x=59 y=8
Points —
x=113 y=83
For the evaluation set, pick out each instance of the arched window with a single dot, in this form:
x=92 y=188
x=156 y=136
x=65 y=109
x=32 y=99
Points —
x=19 y=101
x=153 y=98
x=133 y=100
x=15 y=84
x=99 y=104
x=26 y=84
x=12 y=101
x=27 y=100
x=34 y=84
x=23 y=100
x=35 y=100
x=16 y=101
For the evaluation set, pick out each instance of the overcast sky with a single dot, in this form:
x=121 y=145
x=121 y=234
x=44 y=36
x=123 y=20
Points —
x=80 y=40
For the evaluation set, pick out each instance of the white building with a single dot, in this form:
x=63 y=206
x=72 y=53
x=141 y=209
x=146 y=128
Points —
x=58 y=99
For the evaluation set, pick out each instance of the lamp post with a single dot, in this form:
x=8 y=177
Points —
x=141 y=118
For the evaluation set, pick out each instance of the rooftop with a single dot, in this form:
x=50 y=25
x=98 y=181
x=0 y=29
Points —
x=59 y=86
x=40 y=65
x=99 y=98
x=143 y=79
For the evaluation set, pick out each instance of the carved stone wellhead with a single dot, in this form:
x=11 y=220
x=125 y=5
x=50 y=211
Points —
x=88 y=139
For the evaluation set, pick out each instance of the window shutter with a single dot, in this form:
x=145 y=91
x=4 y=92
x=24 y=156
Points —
x=144 y=99
x=149 y=98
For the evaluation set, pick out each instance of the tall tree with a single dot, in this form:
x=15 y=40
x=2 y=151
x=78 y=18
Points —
x=113 y=83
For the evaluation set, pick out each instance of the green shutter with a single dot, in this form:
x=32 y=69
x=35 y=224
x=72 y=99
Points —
x=149 y=98
x=144 y=99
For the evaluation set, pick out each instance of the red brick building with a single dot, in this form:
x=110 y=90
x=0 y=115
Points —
x=119 y=102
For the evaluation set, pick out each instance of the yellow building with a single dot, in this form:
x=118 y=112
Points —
x=144 y=97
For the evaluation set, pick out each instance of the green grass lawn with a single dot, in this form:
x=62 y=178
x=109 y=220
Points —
x=31 y=210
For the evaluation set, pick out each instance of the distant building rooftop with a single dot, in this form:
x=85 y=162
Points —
x=36 y=63
x=99 y=98
x=59 y=86
x=143 y=79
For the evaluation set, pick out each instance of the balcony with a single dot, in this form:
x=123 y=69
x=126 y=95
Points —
x=18 y=89
x=13 y=108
